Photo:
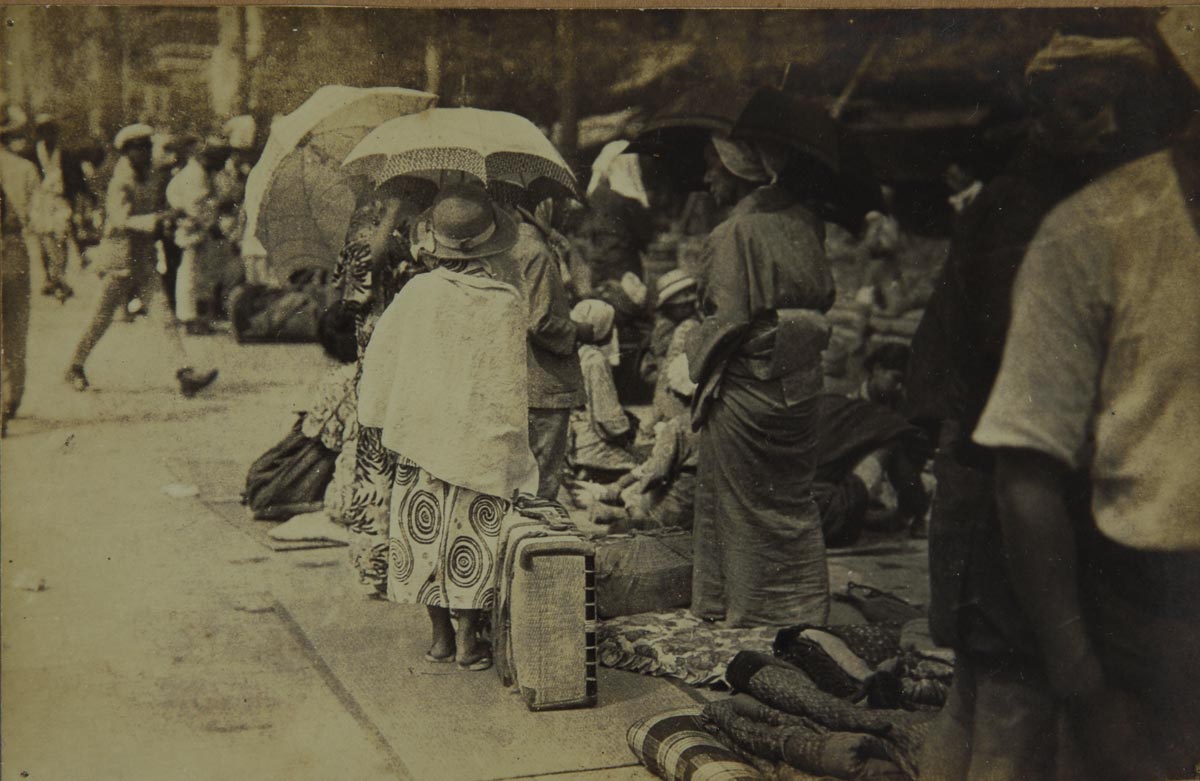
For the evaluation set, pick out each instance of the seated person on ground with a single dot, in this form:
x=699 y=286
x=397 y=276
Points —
x=871 y=458
x=676 y=303
x=602 y=431
x=660 y=492
x=331 y=417
x=677 y=318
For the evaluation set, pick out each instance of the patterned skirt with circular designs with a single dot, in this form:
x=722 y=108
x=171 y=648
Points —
x=442 y=542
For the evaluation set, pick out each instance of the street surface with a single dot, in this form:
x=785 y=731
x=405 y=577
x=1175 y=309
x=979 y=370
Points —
x=152 y=634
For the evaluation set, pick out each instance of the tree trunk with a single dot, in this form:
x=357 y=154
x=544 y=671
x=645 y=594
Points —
x=433 y=55
x=568 y=88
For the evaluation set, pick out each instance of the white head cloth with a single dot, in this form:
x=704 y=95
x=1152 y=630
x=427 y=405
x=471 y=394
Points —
x=600 y=316
x=621 y=170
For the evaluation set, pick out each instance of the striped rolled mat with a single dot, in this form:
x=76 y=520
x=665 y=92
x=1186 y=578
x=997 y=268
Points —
x=675 y=746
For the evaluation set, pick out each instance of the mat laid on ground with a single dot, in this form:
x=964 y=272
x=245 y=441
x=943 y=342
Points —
x=310 y=527
x=677 y=645
x=220 y=483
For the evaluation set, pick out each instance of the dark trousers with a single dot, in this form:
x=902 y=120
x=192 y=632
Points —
x=115 y=292
x=548 y=434
x=15 y=328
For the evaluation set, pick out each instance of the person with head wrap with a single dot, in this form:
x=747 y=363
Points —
x=618 y=224
x=134 y=218
x=756 y=356
x=659 y=492
x=1090 y=102
x=601 y=430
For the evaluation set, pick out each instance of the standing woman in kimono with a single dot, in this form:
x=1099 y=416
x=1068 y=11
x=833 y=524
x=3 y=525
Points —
x=756 y=357
x=444 y=379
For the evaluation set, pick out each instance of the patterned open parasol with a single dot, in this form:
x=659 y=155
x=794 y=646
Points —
x=489 y=146
x=298 y=202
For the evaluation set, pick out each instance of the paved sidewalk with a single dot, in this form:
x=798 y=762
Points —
x=152 y=637
x=145 y=637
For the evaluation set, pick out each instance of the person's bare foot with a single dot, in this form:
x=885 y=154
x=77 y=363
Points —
x=477 y=656
x=442 y=650
x=472 y=652
x=444 y=641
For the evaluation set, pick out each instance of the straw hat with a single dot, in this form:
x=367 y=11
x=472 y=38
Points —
x=676 y=284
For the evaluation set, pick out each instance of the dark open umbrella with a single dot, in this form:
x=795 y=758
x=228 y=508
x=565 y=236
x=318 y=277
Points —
x=675 y=136
x=827 y=167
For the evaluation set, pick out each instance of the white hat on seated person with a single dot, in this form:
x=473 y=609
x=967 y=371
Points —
x=676 y=286
x=600 y=316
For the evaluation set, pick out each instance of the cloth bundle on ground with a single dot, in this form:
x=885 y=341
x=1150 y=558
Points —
x=641 y=572
x=677 y=746
x=290 y=478
x=789 y=718
x=775 y=741
x=289 y=314
x=866 y=662
x=895 y=666
x=878 y=606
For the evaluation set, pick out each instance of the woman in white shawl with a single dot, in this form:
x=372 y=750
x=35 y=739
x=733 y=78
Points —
x=444 y=379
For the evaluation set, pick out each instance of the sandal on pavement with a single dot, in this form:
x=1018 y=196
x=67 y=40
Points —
x=482 y=663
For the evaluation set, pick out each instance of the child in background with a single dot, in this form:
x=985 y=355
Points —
x=660 y=492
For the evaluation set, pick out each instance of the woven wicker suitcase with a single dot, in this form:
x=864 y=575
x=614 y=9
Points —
x=544 y=624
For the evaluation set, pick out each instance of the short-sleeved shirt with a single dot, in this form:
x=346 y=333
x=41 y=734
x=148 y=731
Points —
x=1101 y=368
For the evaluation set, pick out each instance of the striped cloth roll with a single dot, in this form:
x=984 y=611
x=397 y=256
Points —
x=676 y=747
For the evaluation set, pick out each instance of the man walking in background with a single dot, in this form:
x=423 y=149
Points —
x=555 y=379
x=19 y=180
x=134 y=216
x=50 y=212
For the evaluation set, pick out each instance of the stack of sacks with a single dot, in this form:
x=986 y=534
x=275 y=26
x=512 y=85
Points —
x=782 y=716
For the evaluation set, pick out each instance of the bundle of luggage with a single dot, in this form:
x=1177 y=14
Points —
x=781 y=724
x=290 y=478
x=288 y=314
